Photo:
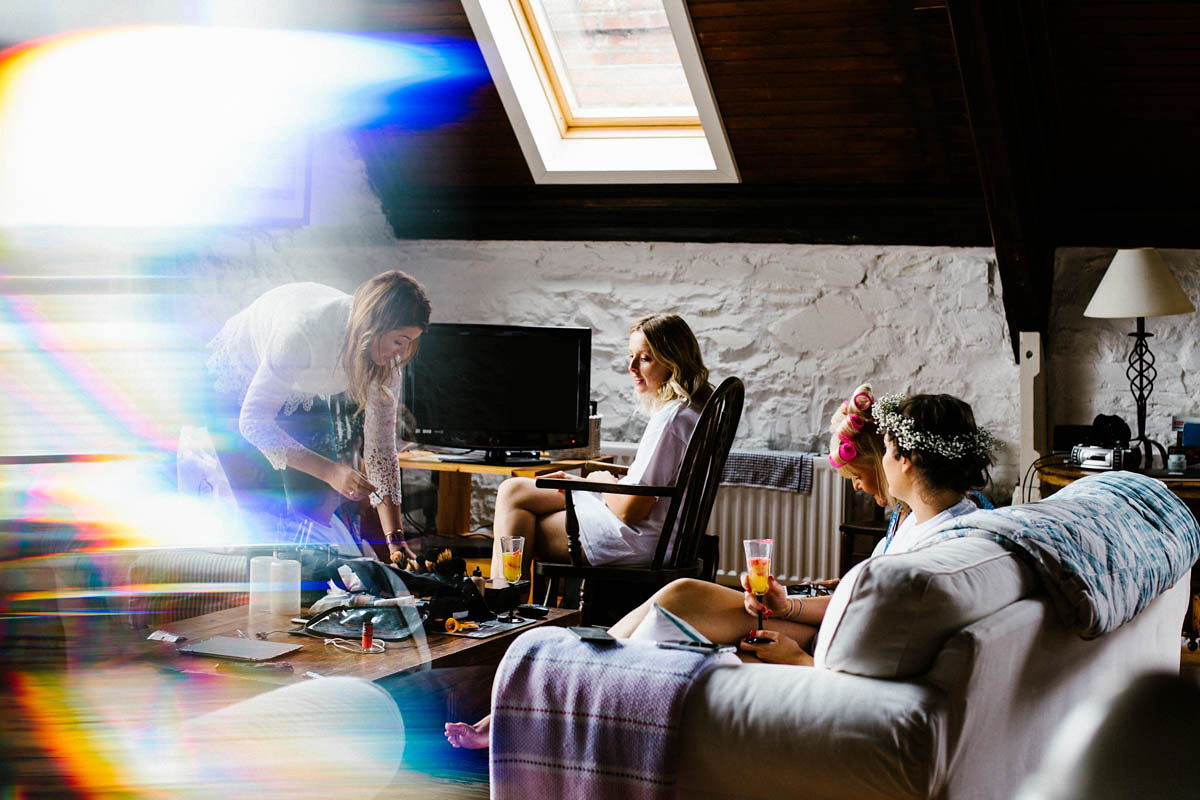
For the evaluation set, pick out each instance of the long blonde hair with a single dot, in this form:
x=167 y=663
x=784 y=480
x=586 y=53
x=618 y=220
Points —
x=672 y=342
x=387 y=302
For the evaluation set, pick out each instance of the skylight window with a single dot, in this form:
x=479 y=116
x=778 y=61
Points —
x=611 y=66
x=604 y=91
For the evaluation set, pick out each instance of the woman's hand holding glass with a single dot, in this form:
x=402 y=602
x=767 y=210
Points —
x=774 y=603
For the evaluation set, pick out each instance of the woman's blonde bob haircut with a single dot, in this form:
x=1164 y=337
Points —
x=387 y=302
x=672 y=342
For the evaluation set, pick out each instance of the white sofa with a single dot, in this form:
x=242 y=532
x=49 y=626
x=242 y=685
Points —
x=940 y=673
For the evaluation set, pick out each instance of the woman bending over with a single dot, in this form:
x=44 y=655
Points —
x=671 y=383
x=274 y=366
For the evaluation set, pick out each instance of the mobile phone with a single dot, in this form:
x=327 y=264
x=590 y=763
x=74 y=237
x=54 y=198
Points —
x=757 y=640
x=808 y=590
x=593 y=634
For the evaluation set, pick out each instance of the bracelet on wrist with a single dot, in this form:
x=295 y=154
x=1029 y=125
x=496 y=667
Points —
x=395 y=537
x=796 y=607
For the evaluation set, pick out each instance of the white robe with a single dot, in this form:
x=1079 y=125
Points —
x=284 y=350
x=606 y=540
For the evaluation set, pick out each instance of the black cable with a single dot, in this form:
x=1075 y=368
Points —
x=1037 y=462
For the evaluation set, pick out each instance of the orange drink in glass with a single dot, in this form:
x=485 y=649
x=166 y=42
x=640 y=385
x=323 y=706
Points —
x=510 y=554
x=758 y=565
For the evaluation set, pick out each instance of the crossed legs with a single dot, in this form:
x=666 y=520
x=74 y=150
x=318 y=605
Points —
x=539 y=515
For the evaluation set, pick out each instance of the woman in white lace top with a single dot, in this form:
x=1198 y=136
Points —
x=275 y=365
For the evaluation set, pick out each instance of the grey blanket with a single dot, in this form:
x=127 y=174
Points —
x=1104 y=546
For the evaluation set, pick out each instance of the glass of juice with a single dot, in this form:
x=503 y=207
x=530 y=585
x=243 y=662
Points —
x=511 y=548
x=511 y=552
x=758 y=564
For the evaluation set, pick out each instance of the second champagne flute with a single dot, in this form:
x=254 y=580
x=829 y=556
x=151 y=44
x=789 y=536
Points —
x=758 y=565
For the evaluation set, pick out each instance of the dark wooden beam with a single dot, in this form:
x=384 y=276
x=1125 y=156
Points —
x=882 y=215
x=1003 y=57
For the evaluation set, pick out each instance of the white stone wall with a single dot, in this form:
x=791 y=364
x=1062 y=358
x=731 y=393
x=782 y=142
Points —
x=800 y=325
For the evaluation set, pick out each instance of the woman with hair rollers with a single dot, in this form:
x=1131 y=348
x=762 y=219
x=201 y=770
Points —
x=934 y=456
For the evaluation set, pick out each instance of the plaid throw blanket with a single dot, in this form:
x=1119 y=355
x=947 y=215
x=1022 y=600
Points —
x=574 y=719
x=769 y=469
x=1104 y=546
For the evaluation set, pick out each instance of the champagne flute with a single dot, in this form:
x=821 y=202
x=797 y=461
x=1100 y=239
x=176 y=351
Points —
x=758 y=564
x=511 y=552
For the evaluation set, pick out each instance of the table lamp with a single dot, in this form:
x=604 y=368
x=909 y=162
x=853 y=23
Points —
x=1139 y=284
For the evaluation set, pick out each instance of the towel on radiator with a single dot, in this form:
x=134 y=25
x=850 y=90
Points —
x=575 y=719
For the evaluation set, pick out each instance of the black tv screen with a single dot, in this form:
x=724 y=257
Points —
x=505 y=390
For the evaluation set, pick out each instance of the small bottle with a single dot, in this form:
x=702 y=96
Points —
x=478 y=579
x=368 y=634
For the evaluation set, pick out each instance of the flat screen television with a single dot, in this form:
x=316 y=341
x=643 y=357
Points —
x=506 y=391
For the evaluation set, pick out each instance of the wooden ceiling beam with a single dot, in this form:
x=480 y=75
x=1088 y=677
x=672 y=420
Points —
x=1003 y=57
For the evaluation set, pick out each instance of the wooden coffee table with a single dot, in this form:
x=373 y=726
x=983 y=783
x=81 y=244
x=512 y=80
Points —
x=316 y=658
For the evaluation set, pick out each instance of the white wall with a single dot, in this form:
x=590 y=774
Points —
x=801 y=325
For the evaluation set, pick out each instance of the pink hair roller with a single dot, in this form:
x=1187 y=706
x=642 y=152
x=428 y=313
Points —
x=862 y=401
x=847 y=452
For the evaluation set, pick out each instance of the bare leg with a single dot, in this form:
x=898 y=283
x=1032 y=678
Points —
x=716 y=611
x=472 y=737
x=522 y=509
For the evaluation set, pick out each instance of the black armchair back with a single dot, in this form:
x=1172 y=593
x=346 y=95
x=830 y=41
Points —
x=682 y=550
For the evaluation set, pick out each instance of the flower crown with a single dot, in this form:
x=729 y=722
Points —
x=903 y=430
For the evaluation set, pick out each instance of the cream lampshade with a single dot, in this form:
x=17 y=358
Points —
x=1139 y=284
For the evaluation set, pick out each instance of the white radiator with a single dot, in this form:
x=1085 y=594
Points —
x=805 y=527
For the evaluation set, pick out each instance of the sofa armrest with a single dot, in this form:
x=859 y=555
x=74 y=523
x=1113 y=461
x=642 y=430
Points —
x=810 y=732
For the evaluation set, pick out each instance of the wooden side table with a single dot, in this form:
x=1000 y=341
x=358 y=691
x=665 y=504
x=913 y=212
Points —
x=454 y=484
x=1186 y=487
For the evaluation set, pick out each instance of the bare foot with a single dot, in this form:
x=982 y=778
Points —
x=472 y=737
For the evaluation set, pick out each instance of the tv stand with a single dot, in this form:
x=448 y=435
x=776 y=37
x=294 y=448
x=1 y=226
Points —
x=455 y=486
x=499 y=458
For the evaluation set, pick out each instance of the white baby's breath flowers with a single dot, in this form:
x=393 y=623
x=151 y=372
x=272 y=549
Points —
x=903 y=431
